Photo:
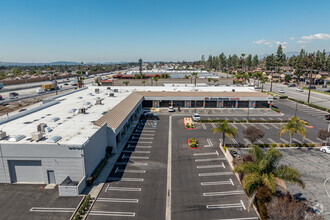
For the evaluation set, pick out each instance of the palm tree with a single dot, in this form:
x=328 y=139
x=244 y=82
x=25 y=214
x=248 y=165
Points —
x=294 y=125
x=263 y=80
x=226 y=130
x=209 y=80
x=243 y=55
x=215 y=80
x=144 y=82
x=195 y=75
x=126 y=83
x=155 y=78
x=265 y=171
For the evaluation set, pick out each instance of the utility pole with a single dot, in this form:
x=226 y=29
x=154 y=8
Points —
x=310 y=79
x=248 y=114
x=140 y=67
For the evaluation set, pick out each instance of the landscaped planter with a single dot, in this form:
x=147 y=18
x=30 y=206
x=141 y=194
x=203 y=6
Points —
x=188 y=123
x=192 y=143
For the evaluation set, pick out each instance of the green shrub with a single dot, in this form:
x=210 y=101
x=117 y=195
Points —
x=225 y=148
x=312 y=145
x=273 y=145
x=266 y=145
x=281 y=145
x=187 y=125
x=300 y=145
x=90 y=181
x=305 y=145
x=276 y=110
x=286 y=145
x=192 y=126
x=293 y=145
x=261 y=145
x=77 y=216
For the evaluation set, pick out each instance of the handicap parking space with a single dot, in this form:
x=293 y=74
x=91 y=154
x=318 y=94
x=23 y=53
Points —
x=138 y=179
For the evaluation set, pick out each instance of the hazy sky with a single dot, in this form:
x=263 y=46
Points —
x=168 y=30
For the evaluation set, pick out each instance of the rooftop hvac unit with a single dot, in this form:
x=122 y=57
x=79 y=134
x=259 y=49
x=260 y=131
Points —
x=111 y=94
x=3 y=134
x=97 y=90
x=36 y=136
x=41 y=127
x=16 y=138
x=233 y=90
x=108 y=88
x=98 y=102
x=54 y=139
x=115 y=90
x=82 y=111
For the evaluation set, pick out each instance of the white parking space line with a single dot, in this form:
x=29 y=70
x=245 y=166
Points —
x=262 y=119
x=204 y=154
x=211 y=166
x=117 y=214
x=319 y=139
x=210 y=144
x=142 y=138
x=226 y=193
x=129 y=171
x=245 y=119
x=246 y=141
x=248 y=218
x=236 y=119
x=134 y=157
x=209 y=159
x=234 y=126
x=271 y=140
x=296 y=140
x=274 y=126
x=134 y=163
x=215 y=174
x=137 y=152
x=244 y=126
x=309 y=140
x=230 y=182
x=253 y=118
x=234 y=140
x=280 y=119
x=226 y=206
x=126 y=189
x=117 y=200
x=264 y=126
x=213 y=125
x=125 y=179
x=285 y=141
x=226 y=118
x=140 y=146
x=204 y=127
x=50 y=209
x=149 y=131
x=260 y=141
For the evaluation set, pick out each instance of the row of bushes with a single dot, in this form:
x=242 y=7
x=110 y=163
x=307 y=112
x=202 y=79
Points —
x=275 y=110
x=193 y=143
x=241 y=121
x=81 y=209
x=190 y=125
x=99 y=167
x=271 y=145
x=310 y=104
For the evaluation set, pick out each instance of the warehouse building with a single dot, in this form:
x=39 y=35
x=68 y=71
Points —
x=63 y=140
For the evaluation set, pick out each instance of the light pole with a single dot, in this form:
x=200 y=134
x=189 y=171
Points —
x=248 y=114
x=295 y=111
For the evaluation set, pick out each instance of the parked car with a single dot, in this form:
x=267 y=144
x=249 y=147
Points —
x=285 y=83
x=327 y=117
x=281 y=91
x=292 y=85
x=196 y=117
x=1 y=97
x=327 y=91
x=150 y=115
x=299 y=90
x=171 y=109
x=66 y=84
x=22 y=110
x=13 y=95
x=325 y=149
x=40 y=90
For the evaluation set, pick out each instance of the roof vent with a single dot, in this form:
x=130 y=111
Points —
x=17 y=138
x=98 y=102
x=36 y=136
x=72 y=110
x=108 y=88
x=87 y=103
x=233 y=90
x=48 y=129
x=54 y=139
x=96 y=98
x=41 y=127
x=111 y=94
x=79 y=97
x=3 y=134
x=97 y=91
x=115 y=90
x=82 y=111
x=54 y=119
x=105 y=93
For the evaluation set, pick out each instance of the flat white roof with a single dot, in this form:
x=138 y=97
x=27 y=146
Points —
x=77 y=128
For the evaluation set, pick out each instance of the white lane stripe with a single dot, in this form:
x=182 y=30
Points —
x=125 y=179
x=142 y=138
x=134 y=157
x=210 y=144
x=209 y=159
x=226 y=193
x=50 y=209
x=319 y=139
x=231 y=181
x=216 y=183
x=309 y=140
x=140 y=146
x=126 y=189
x=244 y=126
x=215 y=174
x=260 y=141
x=271 y=140
x=262 y=119
x=168 y=208
x=117 y=214
x=149 y=131
x=243 y=205
x=210 y=166
x=224 y=206
x=213 y=125
x=234 y=126
x=117 y=200
x=285 y=141
x=274 y=126
x=234 y=140
x=204 y=127
x=203 y=154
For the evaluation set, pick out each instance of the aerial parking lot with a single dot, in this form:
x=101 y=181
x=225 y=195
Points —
x=157 y=175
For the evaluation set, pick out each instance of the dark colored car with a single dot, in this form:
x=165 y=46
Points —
x=1 y=97
x=312 y=87
x=327 y=117
x=292 y=85
x=13 y=95
x=327 y=91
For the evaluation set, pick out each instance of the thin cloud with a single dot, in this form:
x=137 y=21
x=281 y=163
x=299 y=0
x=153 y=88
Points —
x=291 y=38
x=269 y=43
x=310 y=38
